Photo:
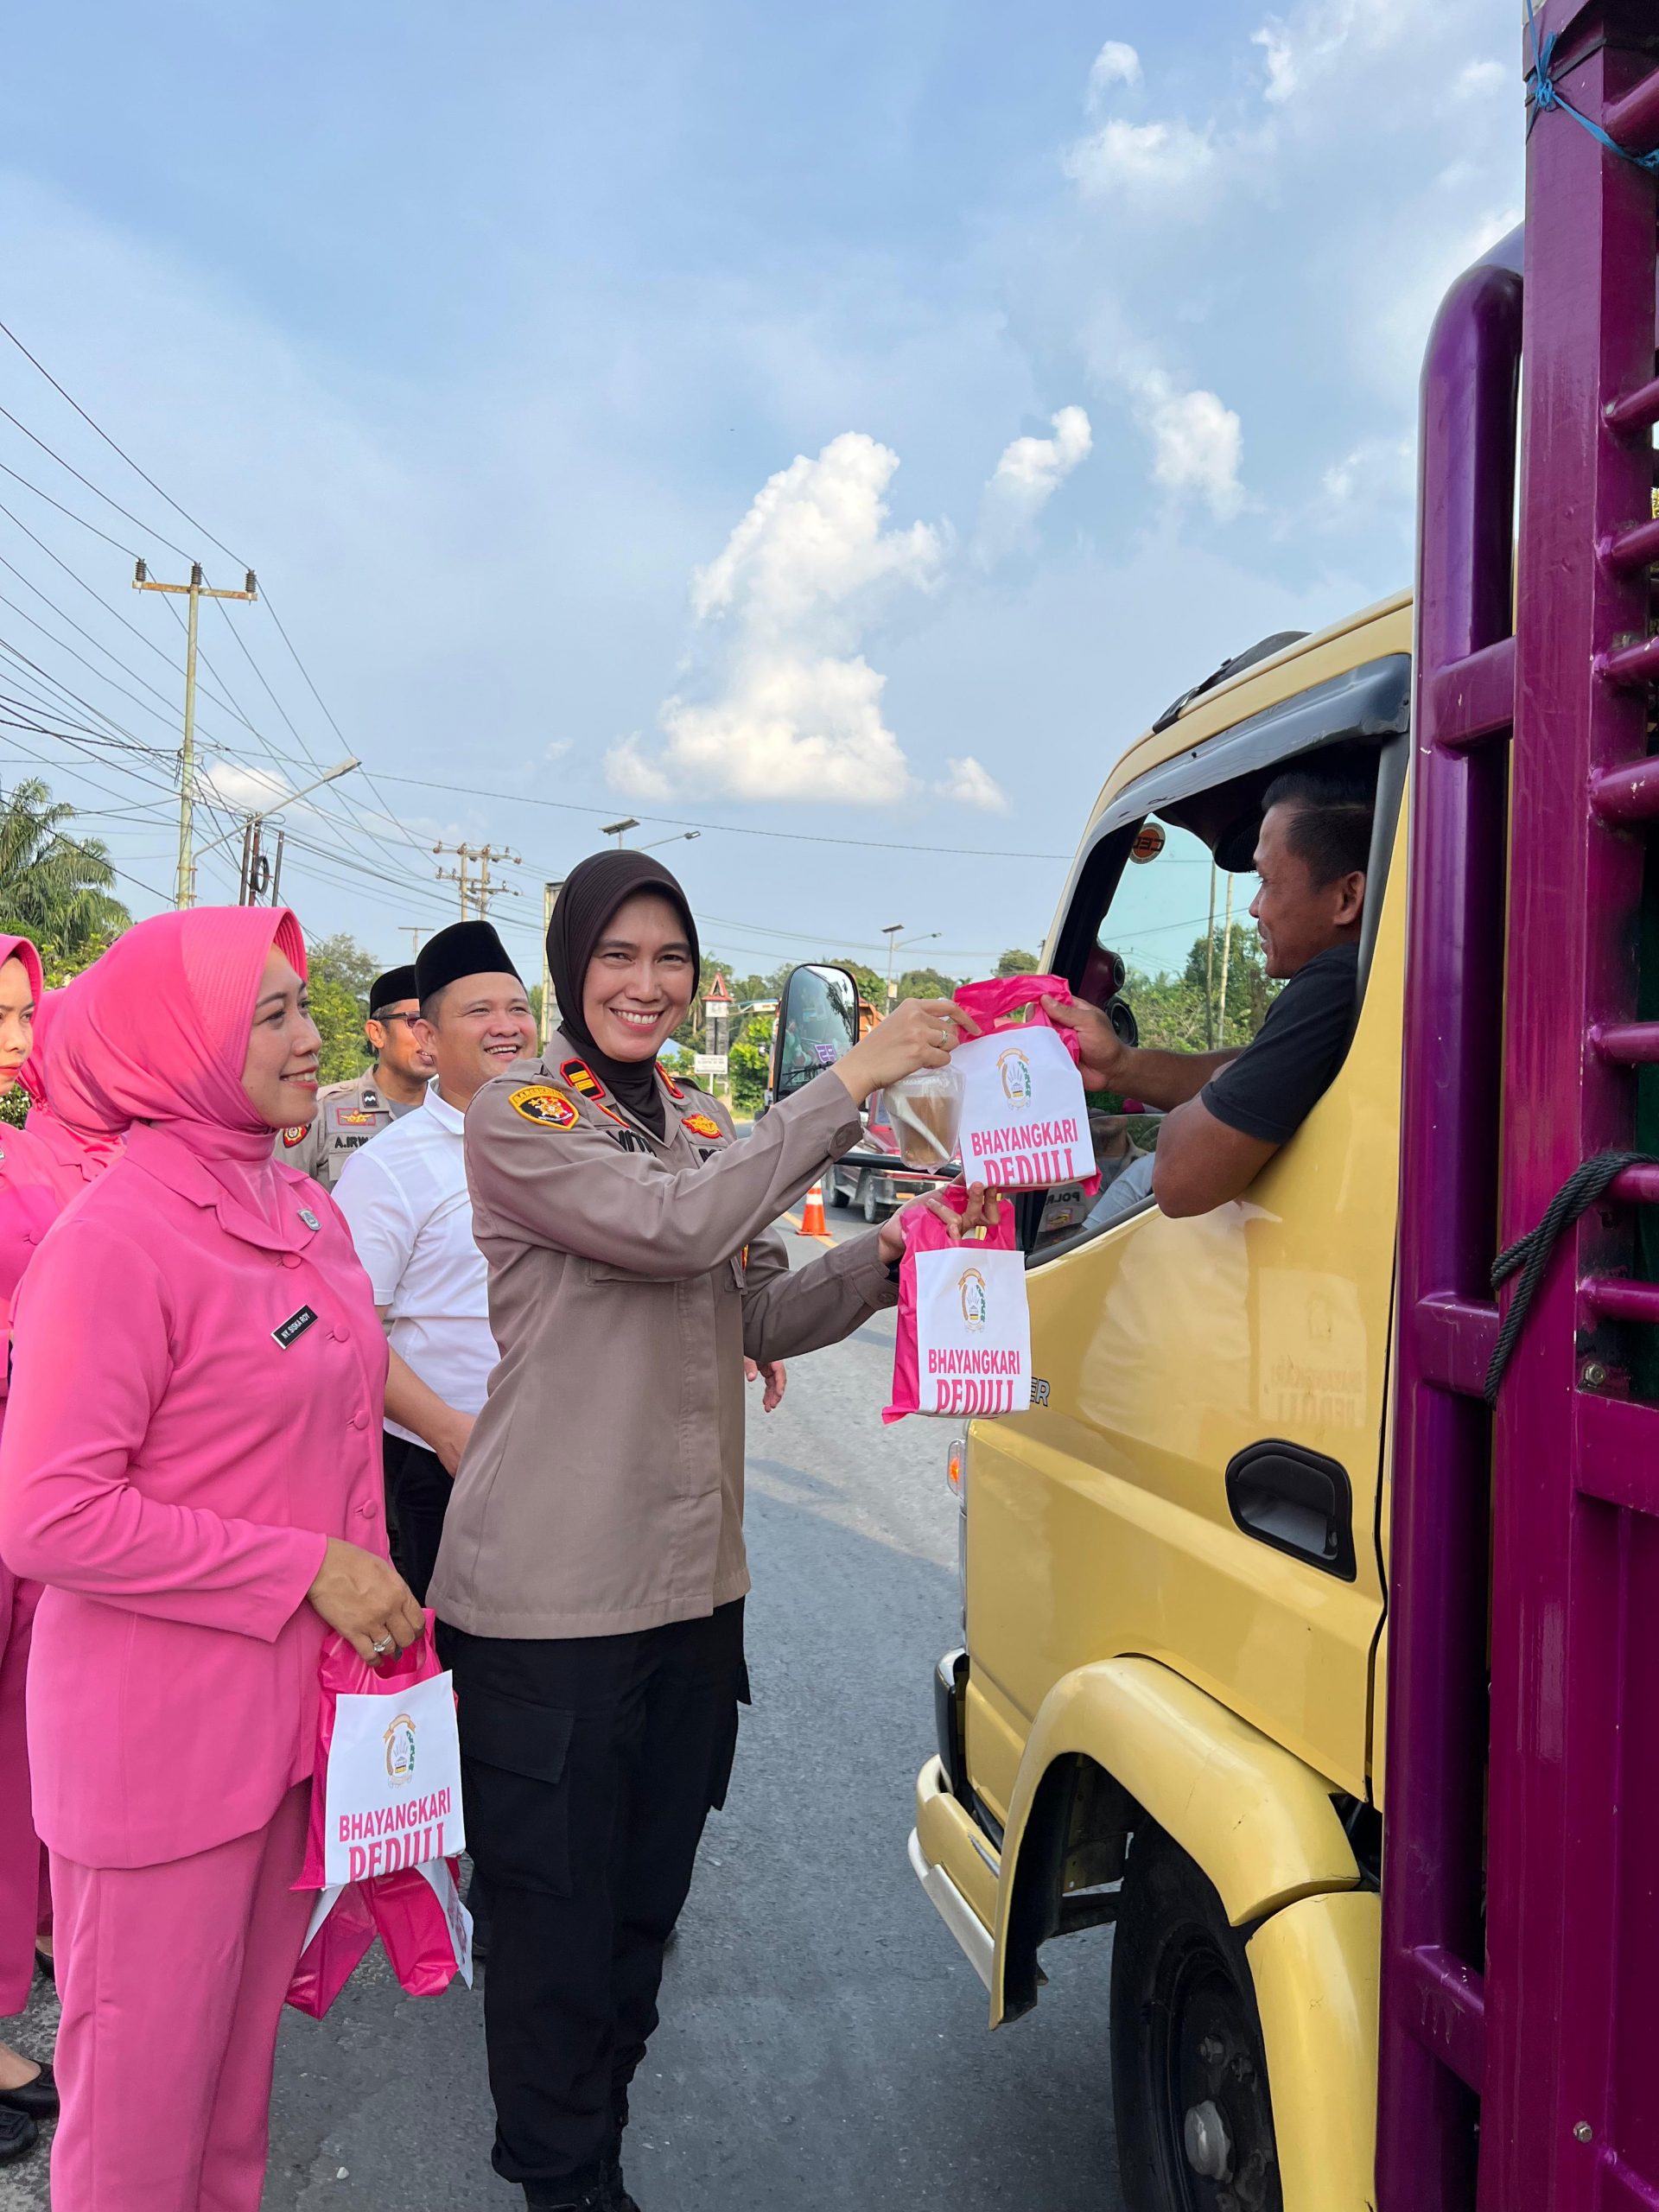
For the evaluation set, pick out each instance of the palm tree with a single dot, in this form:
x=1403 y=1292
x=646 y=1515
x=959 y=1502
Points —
x=54 y=887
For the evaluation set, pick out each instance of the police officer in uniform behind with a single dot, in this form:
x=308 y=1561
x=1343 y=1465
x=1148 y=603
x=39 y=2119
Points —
x=349 y=1113
x=590 y=1583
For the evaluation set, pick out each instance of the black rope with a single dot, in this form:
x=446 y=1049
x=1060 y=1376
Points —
x=1529 y=1255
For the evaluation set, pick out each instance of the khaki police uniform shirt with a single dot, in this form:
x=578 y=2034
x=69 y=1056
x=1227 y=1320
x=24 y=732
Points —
x=601 y=1491
x=348 y=1115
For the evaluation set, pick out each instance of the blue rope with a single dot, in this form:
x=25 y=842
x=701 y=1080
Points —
x=1548 y=97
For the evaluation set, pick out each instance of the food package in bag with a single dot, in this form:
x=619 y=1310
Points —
x=1024 y=1121
x=386 y=1781
x=963 y=1339
x=427 y=1930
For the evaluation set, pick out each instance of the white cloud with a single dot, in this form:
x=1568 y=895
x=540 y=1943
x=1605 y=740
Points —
x=1032 y=470
x=241 y=789
x=970 y=784
x=798 y=709
x=1197 y=442
x=1140 y=158
x=1480 y=80
x=1115 y=64
x=1321 y=36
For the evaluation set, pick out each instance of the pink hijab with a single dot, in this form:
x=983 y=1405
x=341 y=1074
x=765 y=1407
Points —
x=157 y=1031
x=86 y=1152
x=21 y=949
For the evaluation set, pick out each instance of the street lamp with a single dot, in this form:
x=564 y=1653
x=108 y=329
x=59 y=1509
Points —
x=616 y=829
x=251 y=824
x=896 y=943
x=681 y=837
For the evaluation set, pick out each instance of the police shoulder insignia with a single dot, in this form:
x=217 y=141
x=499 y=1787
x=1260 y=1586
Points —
x=673 y=1088
x=297 y=1134
x=540 y=1102
x=580 y=1078
x=702 y=1125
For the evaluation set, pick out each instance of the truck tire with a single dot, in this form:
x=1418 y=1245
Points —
x=1190 y=2090
x=868 y=1202
x=833 y=1193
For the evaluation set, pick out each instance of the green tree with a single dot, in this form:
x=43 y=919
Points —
x=925 y=983
x=55 y=887
x=1015 y=963
x=340 y=971
x=750 y=1064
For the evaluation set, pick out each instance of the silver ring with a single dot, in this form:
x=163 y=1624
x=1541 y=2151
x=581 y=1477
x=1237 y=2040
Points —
x=380 y=1648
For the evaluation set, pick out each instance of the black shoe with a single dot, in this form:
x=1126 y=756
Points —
x=38 y=2098
x=18 y=2135
x=618 y=2200
x=599 y=2198
x=45 y=1964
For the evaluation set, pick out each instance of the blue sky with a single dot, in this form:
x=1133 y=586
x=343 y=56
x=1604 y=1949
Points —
x=855 y=422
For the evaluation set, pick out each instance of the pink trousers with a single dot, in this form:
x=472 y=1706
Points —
x=173 y=1979
x=21 y=1868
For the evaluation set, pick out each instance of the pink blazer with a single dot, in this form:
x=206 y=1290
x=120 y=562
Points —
x=195 y=1407
x=33 y=1190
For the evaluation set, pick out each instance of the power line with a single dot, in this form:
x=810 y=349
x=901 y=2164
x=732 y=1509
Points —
x=729 y=828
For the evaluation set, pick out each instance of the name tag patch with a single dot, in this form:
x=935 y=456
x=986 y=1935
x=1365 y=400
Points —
x=296 y=1326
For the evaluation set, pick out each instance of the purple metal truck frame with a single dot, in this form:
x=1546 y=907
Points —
x=1521 y=1859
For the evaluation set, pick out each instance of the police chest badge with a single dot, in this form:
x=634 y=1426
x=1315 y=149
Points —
x=541 y=1103
x=702 y=1125
x=354 y=1118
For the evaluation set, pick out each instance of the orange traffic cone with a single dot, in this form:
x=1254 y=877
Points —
x=813 y=1221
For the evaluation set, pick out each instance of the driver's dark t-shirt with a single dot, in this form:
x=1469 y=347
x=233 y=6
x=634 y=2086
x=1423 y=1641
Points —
x=1281 y=1076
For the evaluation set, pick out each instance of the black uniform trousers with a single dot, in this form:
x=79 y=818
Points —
x=588 y=1765
x=421 y=1490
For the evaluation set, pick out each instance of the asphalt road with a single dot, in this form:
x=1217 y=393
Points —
x=824 y=2044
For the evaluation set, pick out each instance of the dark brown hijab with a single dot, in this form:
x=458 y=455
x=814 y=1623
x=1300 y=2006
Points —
x=592 y=893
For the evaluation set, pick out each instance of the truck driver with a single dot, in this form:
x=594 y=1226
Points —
x=1226 y=1114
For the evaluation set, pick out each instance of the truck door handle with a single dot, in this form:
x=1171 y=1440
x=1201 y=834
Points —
x=1296 y=1500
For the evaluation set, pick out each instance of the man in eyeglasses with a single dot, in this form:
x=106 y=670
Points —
x=349 y=1113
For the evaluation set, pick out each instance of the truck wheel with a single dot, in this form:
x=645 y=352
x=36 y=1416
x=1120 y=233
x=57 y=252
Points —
x=1189 y=2072
x=833 y=1193
x=870 y=1204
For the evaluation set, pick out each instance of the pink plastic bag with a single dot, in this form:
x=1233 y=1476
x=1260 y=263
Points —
x=1024 y=1121
x=415 y=1910
x=994 y=1002
x=984 y=1366
x=334 y=1949
x=342 y=1673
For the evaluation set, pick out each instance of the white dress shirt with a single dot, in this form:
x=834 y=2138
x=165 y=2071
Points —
x=405 y=1198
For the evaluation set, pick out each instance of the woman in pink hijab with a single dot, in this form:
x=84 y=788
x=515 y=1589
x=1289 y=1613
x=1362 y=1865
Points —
x=81 y=1153
x=33 y=1190
x=190 y=1465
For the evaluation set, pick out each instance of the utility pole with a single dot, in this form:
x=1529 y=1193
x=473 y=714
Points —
x=477 y=891
x=195 y=591
x=414 y=932
x=1226 y=960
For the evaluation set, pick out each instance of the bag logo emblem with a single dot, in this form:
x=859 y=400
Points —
x=541 y=1103
x=400 y=1749
x=970 y=1288
x=1014 y=1068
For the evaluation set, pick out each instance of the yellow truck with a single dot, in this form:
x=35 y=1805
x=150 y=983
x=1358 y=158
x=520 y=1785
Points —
x=1164 y=1711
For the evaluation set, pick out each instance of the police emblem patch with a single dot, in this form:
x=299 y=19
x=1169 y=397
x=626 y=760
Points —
x=297 y=1134
x=541 y=1103
x=353 y=1118
x=702 y=1125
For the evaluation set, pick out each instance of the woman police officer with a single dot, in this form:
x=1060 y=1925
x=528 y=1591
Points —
x=591 y=1575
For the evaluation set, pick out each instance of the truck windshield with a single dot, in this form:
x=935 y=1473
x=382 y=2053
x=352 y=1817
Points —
x=1193 y=969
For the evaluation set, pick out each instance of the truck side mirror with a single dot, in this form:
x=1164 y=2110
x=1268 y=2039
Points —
x=816 y=1022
